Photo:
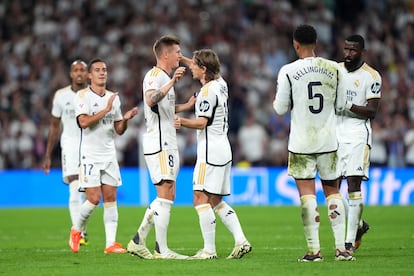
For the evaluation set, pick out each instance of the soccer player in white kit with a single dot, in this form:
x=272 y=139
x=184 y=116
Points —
x=63 y=122
x=211 y=178
x=160 y=147
x=309 y=88
x=363 y=91
x=98 y=113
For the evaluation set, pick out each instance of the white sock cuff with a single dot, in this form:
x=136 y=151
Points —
x=164 y=201
x=220 y=206
x=109 y=204
x=90 y=205
x=74 y=184
x=355 y=195
x=334 y=197
x=202 y=207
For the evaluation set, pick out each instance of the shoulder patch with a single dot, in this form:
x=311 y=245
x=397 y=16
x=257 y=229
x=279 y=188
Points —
x=204 y=106
x=376 y=87
x=204 y=89
x=374 y=73
x=155 y=71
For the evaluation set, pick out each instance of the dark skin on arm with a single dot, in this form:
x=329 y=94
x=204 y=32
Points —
x=369 y=111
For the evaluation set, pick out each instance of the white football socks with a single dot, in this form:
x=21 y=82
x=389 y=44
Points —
x=75 y=201
x=207 y=222
x=337 y=217
x=86 y=211
x=146 y=225
x=354 y=216
x=311 y=221
x=110 y=218
x=161 y=208
x=229 y=218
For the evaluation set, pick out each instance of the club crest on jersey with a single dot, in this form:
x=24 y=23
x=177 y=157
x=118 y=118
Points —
x=376 y=87
x=356 y=83
x=204 y=106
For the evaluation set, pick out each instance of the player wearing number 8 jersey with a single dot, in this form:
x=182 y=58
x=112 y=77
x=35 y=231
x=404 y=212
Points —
x=160 y=147
x=311 y=88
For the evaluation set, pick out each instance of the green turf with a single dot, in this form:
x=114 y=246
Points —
x=34 y=242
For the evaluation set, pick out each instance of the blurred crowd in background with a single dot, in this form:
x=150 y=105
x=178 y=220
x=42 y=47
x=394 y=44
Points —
x=253 y=38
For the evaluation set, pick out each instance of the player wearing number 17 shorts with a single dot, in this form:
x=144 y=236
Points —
x=311 y=88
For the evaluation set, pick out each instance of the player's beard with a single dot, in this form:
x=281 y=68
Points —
x=351 y=65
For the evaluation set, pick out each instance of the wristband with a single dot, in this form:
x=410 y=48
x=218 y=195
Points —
x=348 y=105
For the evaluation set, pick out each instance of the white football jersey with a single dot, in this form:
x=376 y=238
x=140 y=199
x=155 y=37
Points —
x=63 y=108
x=309 y=88
x=159 y=119
x=97 y=141
x=213 y=146
x=361 y=85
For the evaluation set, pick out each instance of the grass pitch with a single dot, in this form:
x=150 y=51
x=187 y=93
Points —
x=35 y=242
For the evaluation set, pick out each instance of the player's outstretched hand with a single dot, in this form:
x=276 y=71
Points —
x=177 y=122
x=110 y=101
x=131 y=113
x=179 y=72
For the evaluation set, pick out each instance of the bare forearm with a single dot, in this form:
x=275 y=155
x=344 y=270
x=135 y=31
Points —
x=363 y=111
x=198 y=123
x=86 y=121
x=121 y=126
x=187 y=61
x=368 y=111
x=51 y=141
x=155 y=96
x=54 y=131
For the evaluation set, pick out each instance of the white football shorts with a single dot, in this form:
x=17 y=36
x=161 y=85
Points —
x=96 y=174
x=70 y=163
x=305 y=166
x=353 y=159
x=212 y=179
x=163 y=165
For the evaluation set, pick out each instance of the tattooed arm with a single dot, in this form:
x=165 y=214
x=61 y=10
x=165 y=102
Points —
x=153 y=96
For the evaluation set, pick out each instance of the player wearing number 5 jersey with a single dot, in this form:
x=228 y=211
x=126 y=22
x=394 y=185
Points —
x=311 y=88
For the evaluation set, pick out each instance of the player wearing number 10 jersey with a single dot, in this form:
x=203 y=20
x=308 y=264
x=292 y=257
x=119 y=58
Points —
x=311 y=88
